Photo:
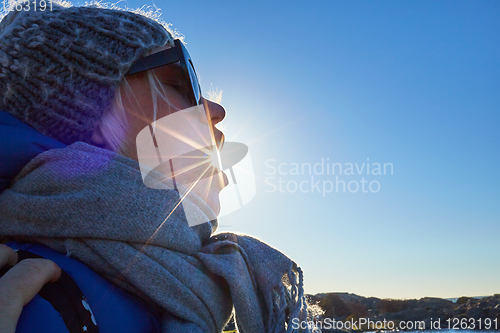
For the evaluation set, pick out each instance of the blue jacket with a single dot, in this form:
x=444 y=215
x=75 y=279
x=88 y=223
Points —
x=19 y=144
x=114 y=309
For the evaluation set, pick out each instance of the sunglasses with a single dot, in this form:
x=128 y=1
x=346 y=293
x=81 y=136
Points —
x=176 y=54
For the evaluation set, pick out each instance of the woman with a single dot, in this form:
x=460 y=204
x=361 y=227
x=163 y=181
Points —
x=80 y=88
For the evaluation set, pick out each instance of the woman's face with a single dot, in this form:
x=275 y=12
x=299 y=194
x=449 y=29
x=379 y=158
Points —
x=139 y=107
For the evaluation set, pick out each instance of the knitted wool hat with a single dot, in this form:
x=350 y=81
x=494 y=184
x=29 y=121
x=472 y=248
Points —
x=59 y=68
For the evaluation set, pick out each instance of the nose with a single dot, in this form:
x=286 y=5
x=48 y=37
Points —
x=216 y=115
x=216 y=112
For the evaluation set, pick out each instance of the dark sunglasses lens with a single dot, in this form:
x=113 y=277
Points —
x=194 y=82
x=192 y=75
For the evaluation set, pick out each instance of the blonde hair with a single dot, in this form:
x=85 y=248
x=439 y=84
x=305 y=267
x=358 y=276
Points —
x=114 y=124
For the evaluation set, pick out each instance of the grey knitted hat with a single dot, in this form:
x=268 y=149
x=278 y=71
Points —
x=59 y=68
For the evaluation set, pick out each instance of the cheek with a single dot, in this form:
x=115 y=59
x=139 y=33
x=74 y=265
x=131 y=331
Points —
x=139 y=109
x=176 y=101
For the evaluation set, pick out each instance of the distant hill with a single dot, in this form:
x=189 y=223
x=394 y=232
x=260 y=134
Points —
x=346 y=306
x=454 y=300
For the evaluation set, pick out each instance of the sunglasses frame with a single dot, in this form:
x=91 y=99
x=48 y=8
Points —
x=178 y=53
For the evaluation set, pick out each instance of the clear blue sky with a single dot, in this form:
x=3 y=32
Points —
x=412 y=83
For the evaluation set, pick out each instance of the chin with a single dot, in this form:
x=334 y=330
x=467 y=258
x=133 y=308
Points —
x=214 y=203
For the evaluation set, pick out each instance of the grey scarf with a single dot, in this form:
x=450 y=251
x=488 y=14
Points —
x=92 y=204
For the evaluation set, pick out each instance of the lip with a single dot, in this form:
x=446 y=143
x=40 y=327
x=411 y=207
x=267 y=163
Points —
x=217 y=175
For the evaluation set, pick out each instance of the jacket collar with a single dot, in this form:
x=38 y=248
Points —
x=19 y=144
